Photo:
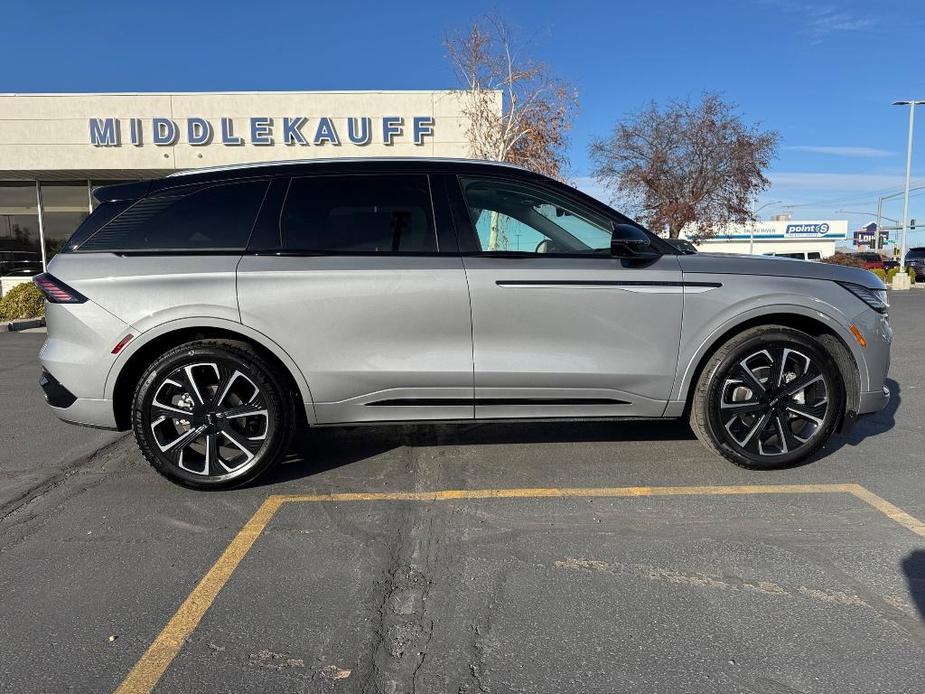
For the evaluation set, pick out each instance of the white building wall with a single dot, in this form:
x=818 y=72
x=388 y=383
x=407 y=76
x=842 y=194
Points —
x=52 y=132
x=779 y=237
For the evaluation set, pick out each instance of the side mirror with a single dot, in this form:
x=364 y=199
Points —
x=628 y=241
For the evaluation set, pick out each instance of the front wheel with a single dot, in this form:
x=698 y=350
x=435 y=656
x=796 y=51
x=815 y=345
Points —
x=211 y=415
x=769 y=398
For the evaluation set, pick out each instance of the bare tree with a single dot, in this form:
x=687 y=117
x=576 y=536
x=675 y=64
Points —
x=691 y=164
x=529 y=125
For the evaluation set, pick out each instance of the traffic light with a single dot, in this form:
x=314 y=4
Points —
x=912 y=223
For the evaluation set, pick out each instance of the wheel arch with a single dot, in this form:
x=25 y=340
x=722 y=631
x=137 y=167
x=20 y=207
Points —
x=833 y=339
x=125 y=372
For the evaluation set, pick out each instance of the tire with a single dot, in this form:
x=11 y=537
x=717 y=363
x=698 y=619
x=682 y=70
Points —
x=212 y=414
x=768 y=398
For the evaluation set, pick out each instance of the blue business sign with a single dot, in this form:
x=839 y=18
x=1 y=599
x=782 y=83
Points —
x=260 y=131
x=806 y=231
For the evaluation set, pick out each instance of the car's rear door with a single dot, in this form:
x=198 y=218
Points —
x=561 y=328
x=355 y=277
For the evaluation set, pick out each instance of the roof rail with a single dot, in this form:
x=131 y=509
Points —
x=329 y=160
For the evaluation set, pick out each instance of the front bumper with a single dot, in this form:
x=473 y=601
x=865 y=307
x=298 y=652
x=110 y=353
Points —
x=874 y=401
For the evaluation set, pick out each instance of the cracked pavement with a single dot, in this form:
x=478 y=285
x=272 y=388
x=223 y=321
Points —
x=766 y=594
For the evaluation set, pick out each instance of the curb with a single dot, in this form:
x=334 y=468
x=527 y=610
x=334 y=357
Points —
x=12 y=326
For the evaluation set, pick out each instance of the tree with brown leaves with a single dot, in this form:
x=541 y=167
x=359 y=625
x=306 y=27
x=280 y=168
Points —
x=517 y=110
x=691 y=164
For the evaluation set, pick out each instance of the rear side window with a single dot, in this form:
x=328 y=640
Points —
x=915 y=253
x=103 y=214
x=358 y=214
x=214 y=218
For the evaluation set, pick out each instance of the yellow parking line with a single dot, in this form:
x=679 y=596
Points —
x=892 y=512
x=155 y=661
x=150 y=668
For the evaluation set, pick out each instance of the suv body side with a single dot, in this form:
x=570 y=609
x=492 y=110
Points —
x=452 y=334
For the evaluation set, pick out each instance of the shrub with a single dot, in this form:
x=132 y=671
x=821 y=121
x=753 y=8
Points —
x=22 y=301
x=891 y=273
x=880 y=273
x=911 y=272
x=844 y=259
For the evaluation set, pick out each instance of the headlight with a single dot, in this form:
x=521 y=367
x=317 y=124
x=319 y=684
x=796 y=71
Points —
x=875 y=298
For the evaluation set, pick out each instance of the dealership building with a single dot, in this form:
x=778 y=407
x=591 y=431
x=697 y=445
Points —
x=55 y=148
x=817 y=238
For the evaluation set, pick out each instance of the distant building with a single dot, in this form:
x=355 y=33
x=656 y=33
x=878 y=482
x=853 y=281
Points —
x=778 y=236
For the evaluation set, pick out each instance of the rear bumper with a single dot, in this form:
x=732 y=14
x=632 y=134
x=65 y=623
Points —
x=90 y=412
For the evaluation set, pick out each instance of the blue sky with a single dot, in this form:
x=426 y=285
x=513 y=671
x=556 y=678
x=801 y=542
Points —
x=821 y=73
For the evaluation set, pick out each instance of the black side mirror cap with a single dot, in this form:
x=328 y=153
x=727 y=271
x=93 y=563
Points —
x=628 y=241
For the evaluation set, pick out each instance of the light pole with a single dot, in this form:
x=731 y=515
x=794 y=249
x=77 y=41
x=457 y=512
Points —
x=751 y=237
x=911 y=104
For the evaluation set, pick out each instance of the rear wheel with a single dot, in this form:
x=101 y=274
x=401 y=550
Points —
x=769 y=398
x=211 y=415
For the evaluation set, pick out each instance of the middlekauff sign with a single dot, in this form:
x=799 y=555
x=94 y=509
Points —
x=259 y=130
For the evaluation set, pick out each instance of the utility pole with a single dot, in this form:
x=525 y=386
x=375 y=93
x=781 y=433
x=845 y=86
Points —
x=877 y=231
x=751 y=236
x=911 y=104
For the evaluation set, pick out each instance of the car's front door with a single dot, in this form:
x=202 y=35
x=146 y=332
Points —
x=358 y=281
x=560 y=327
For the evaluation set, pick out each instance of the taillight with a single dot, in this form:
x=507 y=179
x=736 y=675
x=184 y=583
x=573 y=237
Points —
x=56 y=291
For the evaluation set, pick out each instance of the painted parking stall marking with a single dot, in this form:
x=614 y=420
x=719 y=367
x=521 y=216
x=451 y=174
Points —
x=157 y=658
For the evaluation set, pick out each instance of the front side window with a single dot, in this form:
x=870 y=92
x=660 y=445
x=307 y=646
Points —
x=213 y=218
x=358 y=215
x=512 y=217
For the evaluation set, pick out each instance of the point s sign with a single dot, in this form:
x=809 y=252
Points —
x=806 y=231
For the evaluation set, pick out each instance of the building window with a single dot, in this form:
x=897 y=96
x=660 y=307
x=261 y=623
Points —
x=20 y=245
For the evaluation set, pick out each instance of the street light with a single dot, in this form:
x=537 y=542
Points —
x=869 y=214
x=911 y=104
x=751 y=238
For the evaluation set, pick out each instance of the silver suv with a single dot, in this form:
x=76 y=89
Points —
x=214 y=312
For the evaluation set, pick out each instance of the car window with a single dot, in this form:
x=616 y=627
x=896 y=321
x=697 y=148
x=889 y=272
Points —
x=514 y=217
x=915 y=253
x=217 y=217
x=358 y=214
x=814 y=255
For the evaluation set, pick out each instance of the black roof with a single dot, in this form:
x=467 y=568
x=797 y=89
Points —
x=371 y=165
x=139 y=189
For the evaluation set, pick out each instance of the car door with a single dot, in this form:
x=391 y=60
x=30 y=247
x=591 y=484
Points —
x=560 y=327
x=364 y=288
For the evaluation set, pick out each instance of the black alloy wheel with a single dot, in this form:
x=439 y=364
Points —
x=768 y=399
x=211 y=415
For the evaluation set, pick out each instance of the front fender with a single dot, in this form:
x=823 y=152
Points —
x=704 y=327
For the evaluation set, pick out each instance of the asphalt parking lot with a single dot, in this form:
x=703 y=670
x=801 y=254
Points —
x=534 y=557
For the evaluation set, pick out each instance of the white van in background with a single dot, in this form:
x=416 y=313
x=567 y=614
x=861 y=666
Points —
x=815 y=256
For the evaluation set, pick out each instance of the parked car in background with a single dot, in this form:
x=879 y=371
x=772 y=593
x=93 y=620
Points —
x=815 y=256
x=683 y=245
x=915 y=258
x=214 y=312
x=889 y=264
x=871 y=259
x=20 y=263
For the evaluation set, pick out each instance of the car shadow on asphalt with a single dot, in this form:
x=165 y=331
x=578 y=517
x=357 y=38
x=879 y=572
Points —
x=913 y=567
x=325 y=448
x=867 y=425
